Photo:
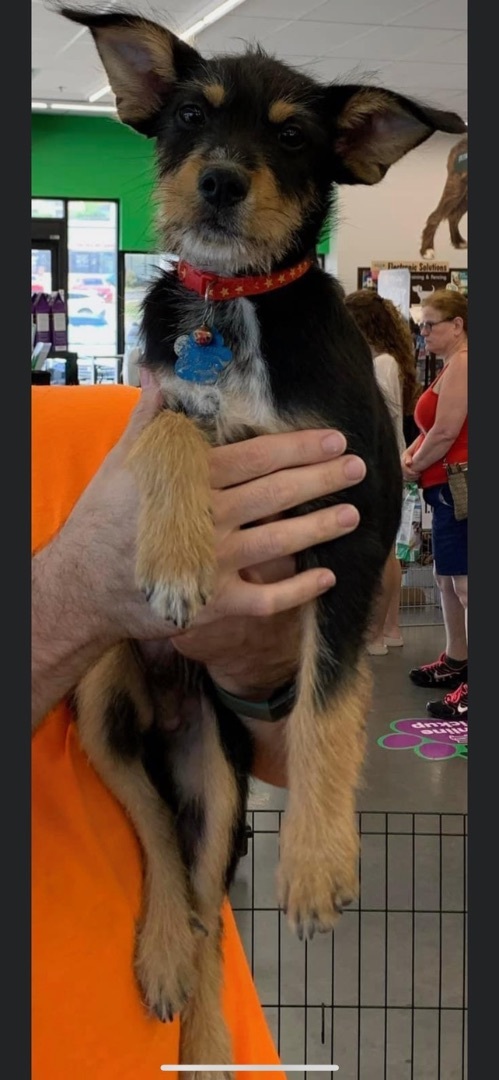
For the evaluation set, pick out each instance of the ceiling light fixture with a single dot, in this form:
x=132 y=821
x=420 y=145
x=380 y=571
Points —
x=100 y=93
x=197 y=28
x=72 y=106
x=213 y=16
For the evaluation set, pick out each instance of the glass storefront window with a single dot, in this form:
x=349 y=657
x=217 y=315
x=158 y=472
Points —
x=47 y=208
x=41 y=269
x=92 y=277
x=140 y=270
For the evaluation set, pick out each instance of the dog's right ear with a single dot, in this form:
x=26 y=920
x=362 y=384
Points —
x=142 y=60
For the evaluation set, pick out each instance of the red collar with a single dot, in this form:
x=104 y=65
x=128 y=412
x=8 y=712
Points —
x=214 y=287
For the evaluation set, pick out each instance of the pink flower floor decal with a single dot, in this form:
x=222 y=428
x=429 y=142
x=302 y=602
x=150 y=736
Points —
x=434 y=740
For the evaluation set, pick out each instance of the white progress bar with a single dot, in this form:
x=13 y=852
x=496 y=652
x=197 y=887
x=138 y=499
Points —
x=249 y=1068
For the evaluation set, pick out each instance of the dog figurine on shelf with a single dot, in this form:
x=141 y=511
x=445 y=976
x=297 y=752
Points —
x=246 y=336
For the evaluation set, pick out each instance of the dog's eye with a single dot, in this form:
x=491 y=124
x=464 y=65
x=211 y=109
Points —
x=191 y=115
x=292 y=137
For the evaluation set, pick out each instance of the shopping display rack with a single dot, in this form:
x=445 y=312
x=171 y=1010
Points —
x=384 y=997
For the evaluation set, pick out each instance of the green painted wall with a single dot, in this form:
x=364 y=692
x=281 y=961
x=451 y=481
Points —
x=324 y=245
x=87 y=157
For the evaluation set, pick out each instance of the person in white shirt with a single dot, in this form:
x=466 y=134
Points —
x=387 y=373
x=390 y=341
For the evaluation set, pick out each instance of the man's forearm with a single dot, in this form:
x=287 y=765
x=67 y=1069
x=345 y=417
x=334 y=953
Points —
x=67 y=637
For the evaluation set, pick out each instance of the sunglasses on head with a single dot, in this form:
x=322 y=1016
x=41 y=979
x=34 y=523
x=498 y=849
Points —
x=428 y=325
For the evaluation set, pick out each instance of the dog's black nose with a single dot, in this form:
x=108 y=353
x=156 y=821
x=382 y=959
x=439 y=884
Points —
x=223 y=187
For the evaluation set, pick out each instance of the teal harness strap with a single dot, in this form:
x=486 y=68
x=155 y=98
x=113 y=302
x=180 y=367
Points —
x=461 y=162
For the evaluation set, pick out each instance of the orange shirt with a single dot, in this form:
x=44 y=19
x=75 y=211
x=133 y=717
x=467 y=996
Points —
x=87 y=1017
x=424 y=415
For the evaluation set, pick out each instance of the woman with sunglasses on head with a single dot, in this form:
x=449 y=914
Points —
x=442 y=416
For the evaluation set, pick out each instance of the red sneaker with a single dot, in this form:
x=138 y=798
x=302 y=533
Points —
x=454 y=706
x=440 y=674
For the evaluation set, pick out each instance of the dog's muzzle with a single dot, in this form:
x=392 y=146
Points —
x=223 y=187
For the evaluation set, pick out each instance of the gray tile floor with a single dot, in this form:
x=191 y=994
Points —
x=385 y=997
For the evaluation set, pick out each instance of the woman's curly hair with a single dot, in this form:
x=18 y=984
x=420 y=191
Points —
x=386 y=331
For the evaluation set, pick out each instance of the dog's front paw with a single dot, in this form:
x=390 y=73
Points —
x=177 y=575
x=178 y=600
x=317 y=875
x=164 y=966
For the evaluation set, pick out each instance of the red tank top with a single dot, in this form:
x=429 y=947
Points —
x=424 y=415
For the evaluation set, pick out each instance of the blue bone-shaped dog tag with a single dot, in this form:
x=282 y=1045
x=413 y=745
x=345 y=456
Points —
x=202 y=363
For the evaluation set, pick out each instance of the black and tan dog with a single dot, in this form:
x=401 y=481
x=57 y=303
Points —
x=247 y=336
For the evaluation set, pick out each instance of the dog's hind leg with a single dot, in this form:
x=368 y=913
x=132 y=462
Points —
x=318 y=867
x=113 y=709
x=210 y=807
x=204 y=1036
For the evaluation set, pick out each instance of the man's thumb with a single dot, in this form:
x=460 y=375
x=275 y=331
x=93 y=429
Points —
x=147 y=407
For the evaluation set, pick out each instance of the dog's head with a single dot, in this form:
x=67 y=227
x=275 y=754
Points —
x=248 y=149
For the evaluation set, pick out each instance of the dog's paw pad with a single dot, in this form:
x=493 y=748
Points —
x=163 y=998
x=306 y=923
x=165 y=970
x=315 y=883
x=179 y=601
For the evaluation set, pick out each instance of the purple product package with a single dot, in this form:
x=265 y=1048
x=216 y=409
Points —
x=58 y=321
x=42 y=319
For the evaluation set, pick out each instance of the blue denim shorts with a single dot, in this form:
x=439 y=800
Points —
x=449 y=537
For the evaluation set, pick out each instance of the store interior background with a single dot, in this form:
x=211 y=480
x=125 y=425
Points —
x=106 y=171
x=386 y=995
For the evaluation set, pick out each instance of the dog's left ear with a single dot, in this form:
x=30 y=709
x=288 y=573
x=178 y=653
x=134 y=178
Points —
x=143 y=61
x=374 y=128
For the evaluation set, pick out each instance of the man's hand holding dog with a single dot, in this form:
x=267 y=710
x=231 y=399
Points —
x=84 y=593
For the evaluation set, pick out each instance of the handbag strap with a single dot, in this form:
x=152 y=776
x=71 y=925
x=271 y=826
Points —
x=460 y=464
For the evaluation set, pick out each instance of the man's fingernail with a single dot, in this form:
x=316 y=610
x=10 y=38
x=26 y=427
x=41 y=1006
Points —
x=334 y=443
x=146 y=378
x=348 y=516
x=354 y=469
x=326 y=581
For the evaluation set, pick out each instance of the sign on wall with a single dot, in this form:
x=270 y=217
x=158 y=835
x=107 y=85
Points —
x=395 y=285
x=424 y=279
x=386 y=220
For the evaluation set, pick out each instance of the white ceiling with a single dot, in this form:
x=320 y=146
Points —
x=416 y=46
